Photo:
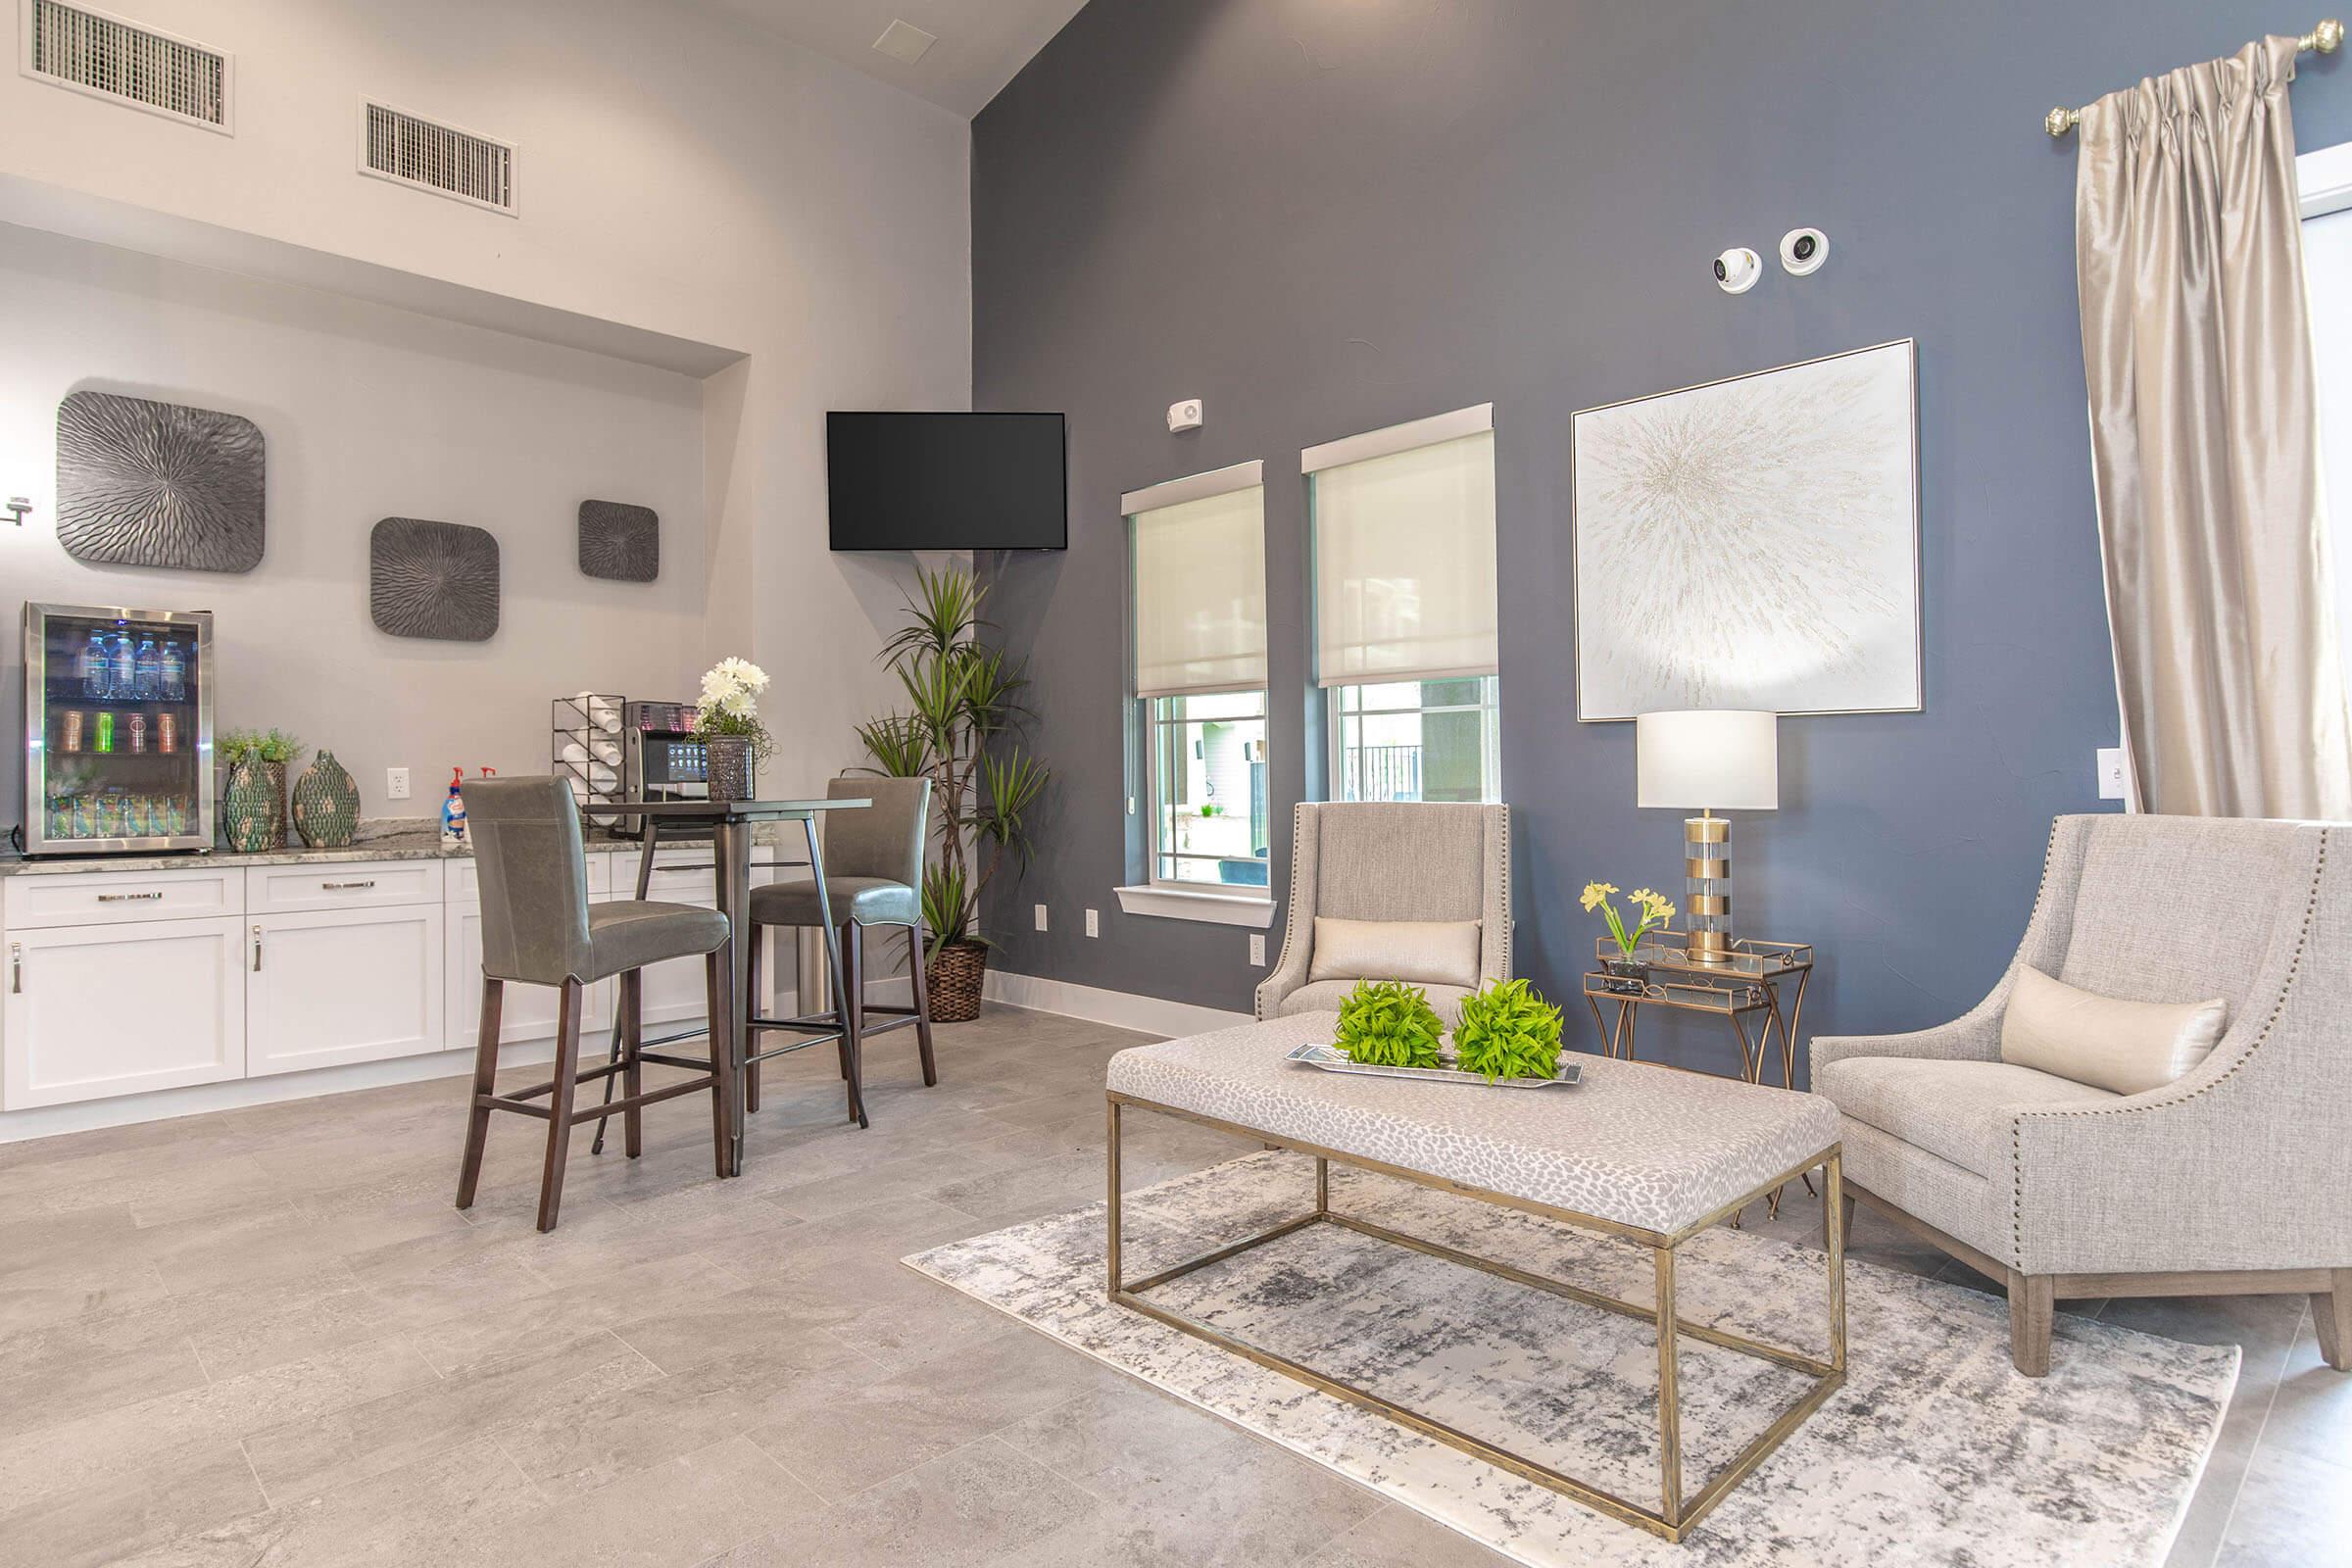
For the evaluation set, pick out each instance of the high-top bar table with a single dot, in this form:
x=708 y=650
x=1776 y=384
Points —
x=732 y=825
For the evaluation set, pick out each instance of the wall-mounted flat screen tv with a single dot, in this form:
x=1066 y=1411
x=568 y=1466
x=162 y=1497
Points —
x=947 y=481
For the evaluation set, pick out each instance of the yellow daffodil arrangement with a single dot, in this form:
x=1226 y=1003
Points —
x=1656 y=910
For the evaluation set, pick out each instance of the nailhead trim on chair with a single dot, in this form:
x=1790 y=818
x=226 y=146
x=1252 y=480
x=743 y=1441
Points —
x=2294 y=969
x=1290 y=916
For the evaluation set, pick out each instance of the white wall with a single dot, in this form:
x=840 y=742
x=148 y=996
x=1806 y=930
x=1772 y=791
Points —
x=677 y=171
x=367 y=412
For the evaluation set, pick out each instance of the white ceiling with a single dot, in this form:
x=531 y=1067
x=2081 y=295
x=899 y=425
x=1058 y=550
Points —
x=982 y=43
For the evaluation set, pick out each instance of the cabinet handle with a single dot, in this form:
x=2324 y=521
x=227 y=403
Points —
x=16 y=967
x=337 y=887
x=129 y=898
x=257 y=949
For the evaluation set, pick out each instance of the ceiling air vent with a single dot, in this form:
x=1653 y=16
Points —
x=107 y=57
x=410 y=150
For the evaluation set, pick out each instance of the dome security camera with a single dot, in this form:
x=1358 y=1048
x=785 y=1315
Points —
x=1803 y=250
x=1737 y=269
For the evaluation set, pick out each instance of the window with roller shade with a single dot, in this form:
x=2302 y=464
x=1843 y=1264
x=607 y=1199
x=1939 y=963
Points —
x=1197 y=551
x=1403 y=583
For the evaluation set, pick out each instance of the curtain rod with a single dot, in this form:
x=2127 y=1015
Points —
x=2327 y=38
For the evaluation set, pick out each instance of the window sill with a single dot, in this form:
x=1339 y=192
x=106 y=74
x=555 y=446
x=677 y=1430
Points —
x=1179 y=904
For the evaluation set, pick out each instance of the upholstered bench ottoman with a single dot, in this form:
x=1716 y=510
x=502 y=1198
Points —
x=1644 y=1153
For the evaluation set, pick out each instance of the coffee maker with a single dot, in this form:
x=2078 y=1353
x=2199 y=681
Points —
x=660 y=761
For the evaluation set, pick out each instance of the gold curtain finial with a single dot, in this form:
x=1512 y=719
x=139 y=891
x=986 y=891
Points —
x=2325 y=38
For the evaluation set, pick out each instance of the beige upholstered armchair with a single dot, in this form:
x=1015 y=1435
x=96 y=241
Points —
x=1440 y=865
x=2234 y=1178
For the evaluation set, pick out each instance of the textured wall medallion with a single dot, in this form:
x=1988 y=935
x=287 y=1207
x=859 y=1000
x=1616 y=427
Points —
x=619 y=541
x=433 y=579
x=155 y=484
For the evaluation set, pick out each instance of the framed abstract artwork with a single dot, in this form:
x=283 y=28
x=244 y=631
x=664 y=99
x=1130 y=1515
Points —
x=158 y=484
x=619 y=542
x=1752 y=542
x=433 y=579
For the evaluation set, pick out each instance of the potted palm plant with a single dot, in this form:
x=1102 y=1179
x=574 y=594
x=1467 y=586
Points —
x=960 y=728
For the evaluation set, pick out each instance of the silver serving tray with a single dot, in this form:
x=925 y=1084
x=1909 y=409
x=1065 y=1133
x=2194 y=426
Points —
x=1332 y=1060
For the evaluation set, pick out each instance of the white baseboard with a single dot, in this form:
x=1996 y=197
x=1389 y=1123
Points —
x=1122 y=1010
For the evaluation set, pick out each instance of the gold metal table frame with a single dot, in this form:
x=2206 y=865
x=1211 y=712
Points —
x=1676 y=1516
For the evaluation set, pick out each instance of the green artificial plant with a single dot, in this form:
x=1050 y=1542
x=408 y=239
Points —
x=960 y=728
x=1387 y=1023
x=1508 y=1031
x=273 y=746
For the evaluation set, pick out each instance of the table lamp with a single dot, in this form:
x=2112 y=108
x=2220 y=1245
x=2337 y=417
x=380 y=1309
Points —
x=1706 y=758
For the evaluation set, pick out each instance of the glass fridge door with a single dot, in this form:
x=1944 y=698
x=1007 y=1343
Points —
x=119 y=742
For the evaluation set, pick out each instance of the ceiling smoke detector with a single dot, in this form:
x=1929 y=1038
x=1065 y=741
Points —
x=905 y=42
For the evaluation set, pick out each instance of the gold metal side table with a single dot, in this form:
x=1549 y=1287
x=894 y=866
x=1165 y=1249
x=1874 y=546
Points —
x=1751 y=980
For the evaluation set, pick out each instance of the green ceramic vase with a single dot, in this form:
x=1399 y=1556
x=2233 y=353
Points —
x=253 y=807
x=326 y=803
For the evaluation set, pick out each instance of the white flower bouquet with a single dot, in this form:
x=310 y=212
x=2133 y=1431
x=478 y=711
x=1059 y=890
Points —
x=730 y=704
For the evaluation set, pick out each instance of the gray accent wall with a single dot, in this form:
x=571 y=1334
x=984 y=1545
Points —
x=1326 y=217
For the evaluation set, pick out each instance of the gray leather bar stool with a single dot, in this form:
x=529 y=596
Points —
x=873 y=876
x=538 y=928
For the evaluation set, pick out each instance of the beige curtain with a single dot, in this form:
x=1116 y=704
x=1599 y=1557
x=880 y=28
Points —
x=2204 y=443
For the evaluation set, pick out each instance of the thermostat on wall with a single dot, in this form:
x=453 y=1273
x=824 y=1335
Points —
x=1184 y=416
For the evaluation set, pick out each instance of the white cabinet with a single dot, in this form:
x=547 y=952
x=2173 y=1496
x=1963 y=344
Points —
x=527 y=1012
x=327 y=986
x=96 y=1010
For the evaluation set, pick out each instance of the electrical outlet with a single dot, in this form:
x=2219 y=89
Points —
x=1093 y=922
x=1041 y=918
x=396 y=783
x=2110 y=774
x=1257 y=949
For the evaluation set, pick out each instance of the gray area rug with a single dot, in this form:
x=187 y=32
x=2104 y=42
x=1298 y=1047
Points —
x=1934 y=1451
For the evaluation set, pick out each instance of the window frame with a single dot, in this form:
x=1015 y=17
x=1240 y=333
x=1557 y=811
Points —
x=2324 y=189
x=1489 y=705
x=1154 y=729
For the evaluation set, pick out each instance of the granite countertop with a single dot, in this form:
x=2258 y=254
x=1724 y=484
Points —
x=401 y=837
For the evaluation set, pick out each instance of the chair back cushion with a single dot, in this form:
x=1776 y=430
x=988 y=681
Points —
x=1400 y=861
x=2178 y=909
x=1438 y=952
x=2126 y=1046
x=885 y=840
x=534 y=879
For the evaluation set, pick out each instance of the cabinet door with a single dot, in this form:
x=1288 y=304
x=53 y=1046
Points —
x=674 y=994
x=96 y=1010
x=527 y=1012
x=334 y=986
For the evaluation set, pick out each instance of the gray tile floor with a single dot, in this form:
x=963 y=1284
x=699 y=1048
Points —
x=266 y=1337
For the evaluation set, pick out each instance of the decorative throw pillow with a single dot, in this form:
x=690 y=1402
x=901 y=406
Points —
x=2105 y=1042
x=1422 y=953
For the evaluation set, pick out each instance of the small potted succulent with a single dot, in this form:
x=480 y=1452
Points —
x=1387 y=1023
x=1508 y=1031
x=727 y=723
x=253 y=798
x=1627 y=975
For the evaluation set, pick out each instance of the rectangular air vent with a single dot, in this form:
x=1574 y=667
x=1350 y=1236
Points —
x=410 y=150
x=107 y=57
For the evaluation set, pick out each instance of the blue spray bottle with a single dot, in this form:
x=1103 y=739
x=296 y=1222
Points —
x=452 y=811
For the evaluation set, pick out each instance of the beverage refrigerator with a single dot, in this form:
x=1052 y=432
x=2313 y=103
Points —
x=117 y=730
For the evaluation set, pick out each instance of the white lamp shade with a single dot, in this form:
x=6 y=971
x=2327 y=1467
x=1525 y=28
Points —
x=1716 y=759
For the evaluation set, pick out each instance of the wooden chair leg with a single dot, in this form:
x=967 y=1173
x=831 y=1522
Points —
x=923 y=1005
x=2333 y=1312
x=719 y=1139
x=485 y=1082
x=751 y=1009
x=632 y=1074
x=853 y=1014
x=2032 y=1299
x=559 y=1106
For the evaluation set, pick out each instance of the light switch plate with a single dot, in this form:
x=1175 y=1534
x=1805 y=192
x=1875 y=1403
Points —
x=1041 y=918
x=1093 y=922
x=1257 y=949
x=2110 y=774
x=396 y=783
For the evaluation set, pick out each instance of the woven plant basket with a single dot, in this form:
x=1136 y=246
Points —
x=952 y=976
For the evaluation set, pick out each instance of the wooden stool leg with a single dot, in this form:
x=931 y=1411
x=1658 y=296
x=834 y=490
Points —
x=853 y=1014
x=558 y=1106
x=485 y=1082
x=721 y=1141
x=923 y=1005
x=751 y=1009
x=632 y=1074
x=2333 y=1315
x=2032 y=1298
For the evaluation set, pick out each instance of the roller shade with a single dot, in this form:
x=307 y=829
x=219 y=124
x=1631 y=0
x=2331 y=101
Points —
x=1199 y=555
x=1405 y=552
